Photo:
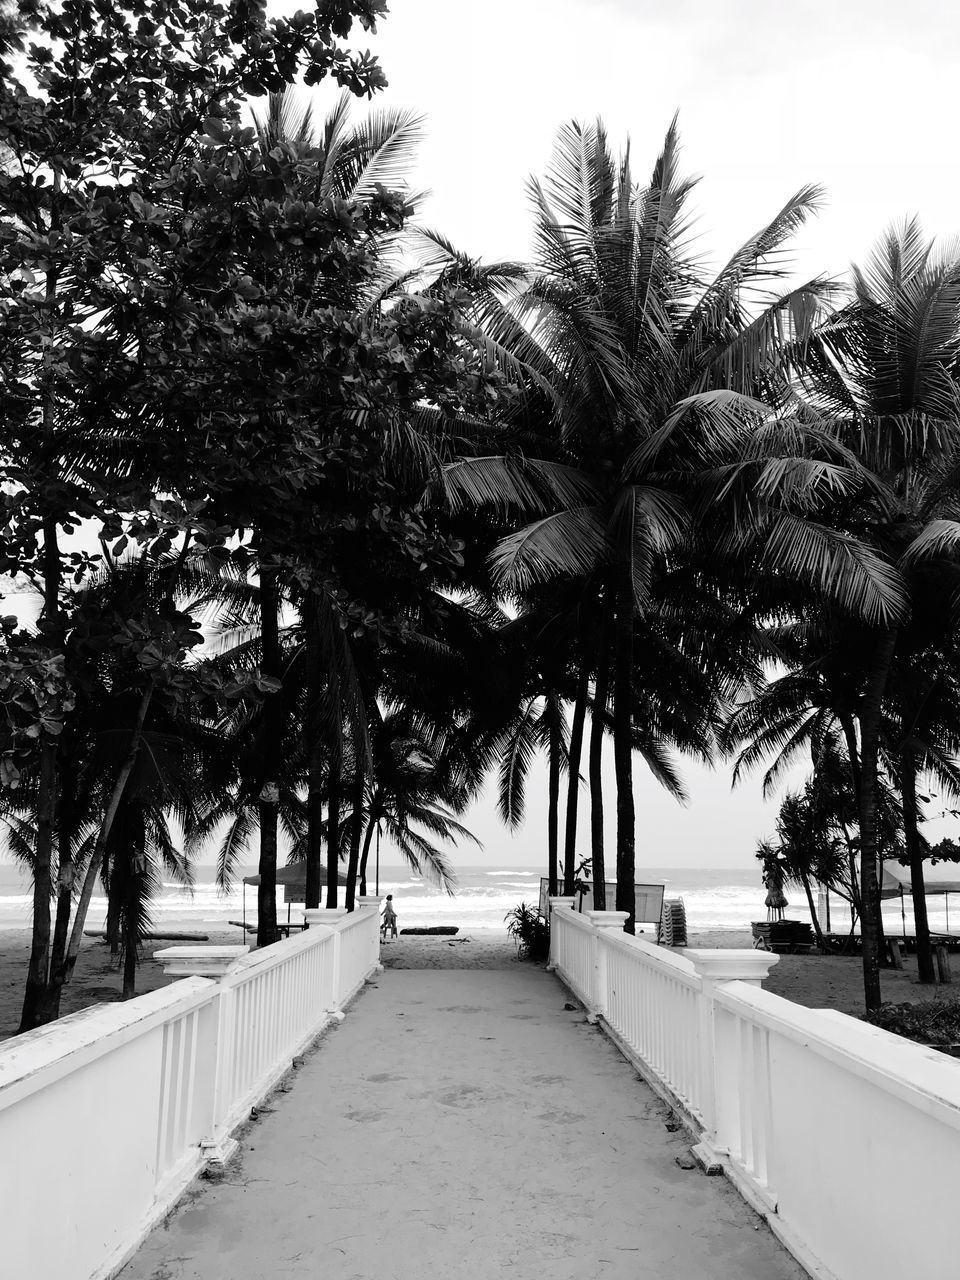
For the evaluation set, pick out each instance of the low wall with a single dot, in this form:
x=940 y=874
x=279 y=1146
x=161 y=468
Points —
x=106 y=1115
x=846 y=1137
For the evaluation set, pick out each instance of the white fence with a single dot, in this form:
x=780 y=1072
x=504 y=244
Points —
x=845 y=1137
x=106 y=1115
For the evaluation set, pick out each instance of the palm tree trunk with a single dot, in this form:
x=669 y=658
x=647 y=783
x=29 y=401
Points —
x=356 y=829
x=333 y=826
x=65 y=837
x=870 y=708
x=597 y=725
x=367 y=839
x=271 y=756
x=623 y=759
x=35 y=993
x=554 y=749
x=113 y=888
x=573 y=779
x=315 y=755
x=103 y=835
x=908 y=791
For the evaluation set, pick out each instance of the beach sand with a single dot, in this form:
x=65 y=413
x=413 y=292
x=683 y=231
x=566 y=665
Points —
x=829 y=982
x=96 y=978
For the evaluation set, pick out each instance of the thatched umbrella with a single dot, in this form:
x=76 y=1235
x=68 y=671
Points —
x=776 y=902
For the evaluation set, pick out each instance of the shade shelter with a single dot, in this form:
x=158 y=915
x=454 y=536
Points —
x=942 y=879
x=293 y=877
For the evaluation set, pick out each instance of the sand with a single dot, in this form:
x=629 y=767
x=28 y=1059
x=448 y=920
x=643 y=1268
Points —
x=830 y=982
x=96 y=978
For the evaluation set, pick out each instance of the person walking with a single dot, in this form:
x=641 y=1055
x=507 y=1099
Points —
x=388 y=927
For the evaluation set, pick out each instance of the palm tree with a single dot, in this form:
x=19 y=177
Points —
x=881 y=374
x=409 y=796
x=648 y=376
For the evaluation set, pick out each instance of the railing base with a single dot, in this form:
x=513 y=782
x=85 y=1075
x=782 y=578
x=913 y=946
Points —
x=217 y=1155
x=708 y=1158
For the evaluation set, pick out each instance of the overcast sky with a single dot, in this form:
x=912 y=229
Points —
x=856 y=95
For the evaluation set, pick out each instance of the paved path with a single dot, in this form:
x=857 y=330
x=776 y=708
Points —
x=463 y=1125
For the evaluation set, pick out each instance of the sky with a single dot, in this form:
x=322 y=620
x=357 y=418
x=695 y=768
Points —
x=856 y=95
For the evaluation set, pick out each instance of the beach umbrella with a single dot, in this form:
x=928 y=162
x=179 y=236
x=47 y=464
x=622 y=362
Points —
x=776 y=903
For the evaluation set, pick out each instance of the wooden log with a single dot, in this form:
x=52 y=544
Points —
x=434 y=930
x=943 y=963
x=250 y=928
x=155 y=937
x=896 y=957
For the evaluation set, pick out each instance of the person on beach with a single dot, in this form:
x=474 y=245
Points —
x=388 y=928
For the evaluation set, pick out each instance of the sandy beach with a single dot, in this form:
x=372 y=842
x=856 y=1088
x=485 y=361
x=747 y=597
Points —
x=832 y=982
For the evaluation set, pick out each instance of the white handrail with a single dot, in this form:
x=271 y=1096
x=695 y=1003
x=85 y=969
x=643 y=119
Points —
x=817 y=1118
x=113 y=1110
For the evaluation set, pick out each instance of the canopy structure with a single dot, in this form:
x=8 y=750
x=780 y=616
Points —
x=941 y=879
x=293 y=877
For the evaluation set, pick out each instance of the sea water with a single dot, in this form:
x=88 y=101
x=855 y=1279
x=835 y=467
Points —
x=714 y=898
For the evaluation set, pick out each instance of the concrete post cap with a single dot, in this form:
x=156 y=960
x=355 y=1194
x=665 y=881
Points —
x=199 y=962
x=607 y=919
x=720 y=964
x=324 y=915
x=562 y=902
x=369 y=900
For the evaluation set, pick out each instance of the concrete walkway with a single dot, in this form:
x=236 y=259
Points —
x=463 y=1125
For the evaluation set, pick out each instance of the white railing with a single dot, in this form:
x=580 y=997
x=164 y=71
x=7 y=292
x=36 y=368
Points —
x=107 y=1115
x=572 y=948
x=661 y=1022
x=272 y=1001
x=846 y=1137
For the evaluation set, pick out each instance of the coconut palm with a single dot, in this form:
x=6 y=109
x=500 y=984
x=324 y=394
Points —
x=881 y=374
x=664 y=394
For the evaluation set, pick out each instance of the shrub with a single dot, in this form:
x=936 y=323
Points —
x=529 y=931
x=933 y=1022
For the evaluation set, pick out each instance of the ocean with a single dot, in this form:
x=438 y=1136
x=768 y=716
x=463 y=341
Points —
x=714 y=898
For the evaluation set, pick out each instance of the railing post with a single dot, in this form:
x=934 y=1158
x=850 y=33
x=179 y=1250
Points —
x=218 y=1147
x=556 y=904
x=601 y=920
x=329 y=916
x=371 y=902
x=199 y=962
x=716 y=966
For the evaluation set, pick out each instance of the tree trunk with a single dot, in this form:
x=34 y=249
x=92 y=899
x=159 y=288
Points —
x=356 y=829
x=315 y=755
x=38 y=970
x=623 y=759
x=870 y=708
x=813 y=911
x=573 y=779
x=66 y=818
x=554 y=750
x=271 y=757
x=103 y=835
x=597 y=726
x=908 y=791
x=112 y=923
x=35 y=996
x=333 y=827
x=367 y=839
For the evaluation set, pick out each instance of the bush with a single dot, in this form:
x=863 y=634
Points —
x=529 y=931
x=933 y=1022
